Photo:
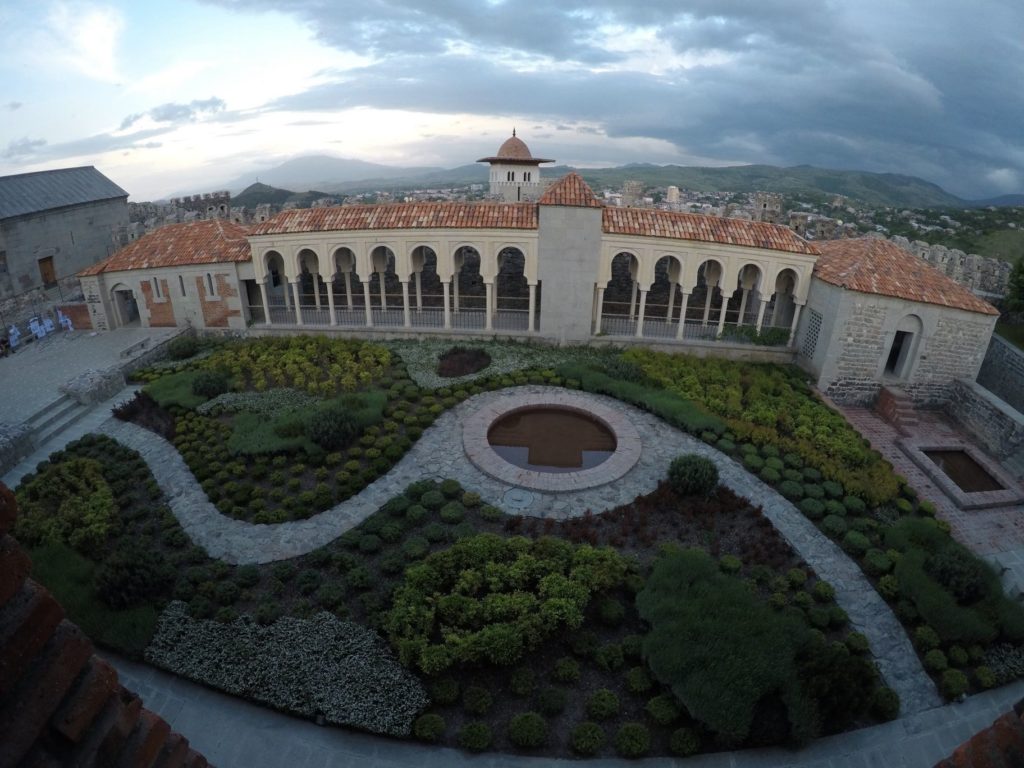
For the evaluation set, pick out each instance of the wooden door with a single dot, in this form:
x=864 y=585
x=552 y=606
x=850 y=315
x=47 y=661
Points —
x=47 y=272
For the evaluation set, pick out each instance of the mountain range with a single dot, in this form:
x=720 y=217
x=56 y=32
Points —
x=335 y=175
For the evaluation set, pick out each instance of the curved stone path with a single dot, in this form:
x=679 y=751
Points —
x=438 y=454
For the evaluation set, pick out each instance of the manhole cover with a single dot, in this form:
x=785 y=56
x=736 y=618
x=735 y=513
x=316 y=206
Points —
x=517 y=498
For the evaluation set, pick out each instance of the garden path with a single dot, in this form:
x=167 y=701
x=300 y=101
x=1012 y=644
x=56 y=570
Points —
x=438 y=454
x=233 y=733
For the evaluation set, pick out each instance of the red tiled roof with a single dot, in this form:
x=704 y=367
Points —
x=402 y=216
x=874 y=265
x=515 y=151
x=196 y=242
x=709 y=229
x=570 y=190
x=60 y=704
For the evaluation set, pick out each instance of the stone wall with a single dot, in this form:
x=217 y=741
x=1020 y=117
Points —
x=862 y=346
x=569 y=249
x=951 y=351
x=981 y=274
x=997 y=426
x=1002 y=372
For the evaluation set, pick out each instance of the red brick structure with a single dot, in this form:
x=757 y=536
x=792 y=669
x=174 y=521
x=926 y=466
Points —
x=1001 y=745
x=161 y=310
x=215 y=307
x=79 y=314
x=59 y=703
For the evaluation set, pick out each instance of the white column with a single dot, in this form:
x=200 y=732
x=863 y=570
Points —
x=682 y=315
x=721 y=313
x=266 y=303
x=419 y=293
x=383 y=298
x=671 y=301
x=775 y=311
x=298 y=309
x=287 y=299
x=532 y=307
x=406 y=318
x=489 y=295
x=760 y=312
x=348 y=291
x=444 y=301
x=366 y=301
x=316 y=289
x=455 y=293
x=600 y=309
x=707 y=304
x=743 y=306
x=796 y=319
x=640 y=318
x=632 y=302
x=330 y=301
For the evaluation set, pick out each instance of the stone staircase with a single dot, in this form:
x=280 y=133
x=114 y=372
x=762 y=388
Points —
x=895 y=406
x=54 y=418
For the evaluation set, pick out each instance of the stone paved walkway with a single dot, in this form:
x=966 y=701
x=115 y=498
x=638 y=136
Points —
x=433 y=456
x=233 y=733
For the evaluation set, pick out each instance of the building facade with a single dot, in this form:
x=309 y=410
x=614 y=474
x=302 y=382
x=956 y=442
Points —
x=515 y=172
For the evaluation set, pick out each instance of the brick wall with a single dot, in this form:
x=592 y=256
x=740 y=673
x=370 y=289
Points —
x=60 y=704
x=161 y=311
x=78 y=313
x=217 y=310
x=996 y=425
x=1002 y=372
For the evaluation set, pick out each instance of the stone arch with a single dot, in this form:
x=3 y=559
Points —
x=902 y=348
x=783 y=304
x=126 y=306
x=468 y=290
x=661 y=305
x=383 y=263
x=710 y=274
x=745 y=298
x=345 y=277
x=307 y=276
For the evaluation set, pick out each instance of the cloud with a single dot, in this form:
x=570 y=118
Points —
x=85 y=38
x=36 y=150
x=22 y=148
x=13 y=106
x=177 y=113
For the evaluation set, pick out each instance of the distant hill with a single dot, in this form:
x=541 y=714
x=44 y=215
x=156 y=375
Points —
x=341 y=176
x=1003 y=201
x=256 y=194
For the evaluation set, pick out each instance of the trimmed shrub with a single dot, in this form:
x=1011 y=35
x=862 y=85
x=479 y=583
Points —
x=633 y=740
x=770 y=475
x=730 y=564
x=877 y=563
x=587 y=739
x=856 y=543
x=753 y=462
x=602 y=704
x=210 y=384
x=986 y=677
x=611 y=612
x=638 y=681
x=609 y=657
x=854 y=505
x=824 y=592
x=452 y=513
x=926 y=638
x=684 y=742
x=857 y=643
x=935 y=661
x=954 y=684
x=477 y=700
x=693 y=475
x=475 y=737
x=663 y=709
x=792 y=490
x=812 y=508
x=332 y=428
x=958 y=657
x=834 y=526
x=885 y=704
x=832 y=489
x=429 y=727
x=182 y=347
x=528 y=730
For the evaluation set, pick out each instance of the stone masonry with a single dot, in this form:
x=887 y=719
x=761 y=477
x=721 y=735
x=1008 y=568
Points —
x=862 y=346
x=945 y=355
x=995 y=424
x=979 y=273
x=1002 y=372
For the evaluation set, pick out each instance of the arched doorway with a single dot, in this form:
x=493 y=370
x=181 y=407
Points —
x=617 y=302
x=661 y=307
x=125 y=306
x=903 y=348
x=512 y=292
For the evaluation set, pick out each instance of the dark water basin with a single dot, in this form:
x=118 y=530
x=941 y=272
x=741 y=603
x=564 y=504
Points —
x=547 y=439
x=968 y=474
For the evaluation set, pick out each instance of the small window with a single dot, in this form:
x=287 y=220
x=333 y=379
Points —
x=811 y=337
x=157 y=294
x=211 y=287
x=181 y=285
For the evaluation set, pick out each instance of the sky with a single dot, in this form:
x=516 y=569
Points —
x=179 y=96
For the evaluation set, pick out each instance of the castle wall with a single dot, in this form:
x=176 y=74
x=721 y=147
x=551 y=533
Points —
x=1002 y=372
x=983 y=275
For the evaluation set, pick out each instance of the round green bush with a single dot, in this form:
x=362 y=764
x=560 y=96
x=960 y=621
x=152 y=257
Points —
x=587 y=739
x=770 y=451
x=770 y=475
x=958 y=657
x=854 y=505
x=819 y=617
x=926 y=508
x=793 y=460
x=210 y=384
x=926 y=638
x=837 y=617
x=954 y=684
x=985 y=676
x=429 y=727
x=332 y=428
x=812 y=508
x=182 y=347
x=824 y=592
x=792 y=490
x=885 y=704
x=369 y=543
x=693 y=475
x=522 y=682
x=633 y=740
x=813 y=491
x=832 y=489
x=877 y=563
x=753 y=462
x=475 y=737
x=684 y=742
x=415 y=548
x=611 y=612
x=433 y=500
x=445 y=690
x=793 y=474
x=450 y=488
x=730 y=564
x=452 y=513
x=602 y=704
x=935 y=661
x=638 y=681
x=552 y=701
x=528 y=730
x=663 y=709
x=632 y=646
x=726 y=446
x=477 y=700
x=834 y=526
x=856 y=543
x=888 y=587
x=796 y=577
x=857 y=643
x=609 y=657
x=812 y=475
x=833 y=507
x=566 y=670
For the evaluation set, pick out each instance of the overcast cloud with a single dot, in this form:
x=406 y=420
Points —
x=931 y=89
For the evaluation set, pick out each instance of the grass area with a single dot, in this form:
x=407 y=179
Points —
x=1012 y=333
x=175 y=390
x=69 y=576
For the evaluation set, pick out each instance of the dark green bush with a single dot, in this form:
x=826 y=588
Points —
x=684 y=742
x=638 y=681
x=958 y=657
x=834 y=526
x=429 y=727
x=857 y=643
x=369 y=543
x=475 y=737
x=856 y=543
x=663 y=709
x=602 y=704
x=935 y=661
x=832 y=489
x=477 y=700
x=792 y=490
x=610 y=611
x=433 y=500
x=885 y=704
x=332 y=428
x=133 y=575
x=183 y=347
x=854 y=505
x=528 y=730
x=770 y=475
x=632 y=740
x=209 y=384
x=609 y=657
x=587 y=739
x=954 y=684
x=452 y=513
x=812 y=508
x=693 y=475
x=833 y=507
x=753 y=462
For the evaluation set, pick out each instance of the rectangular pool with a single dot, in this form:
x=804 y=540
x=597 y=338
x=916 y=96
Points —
x=968 y=474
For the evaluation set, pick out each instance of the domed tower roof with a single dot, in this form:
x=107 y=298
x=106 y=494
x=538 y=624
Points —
x=514 y=151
